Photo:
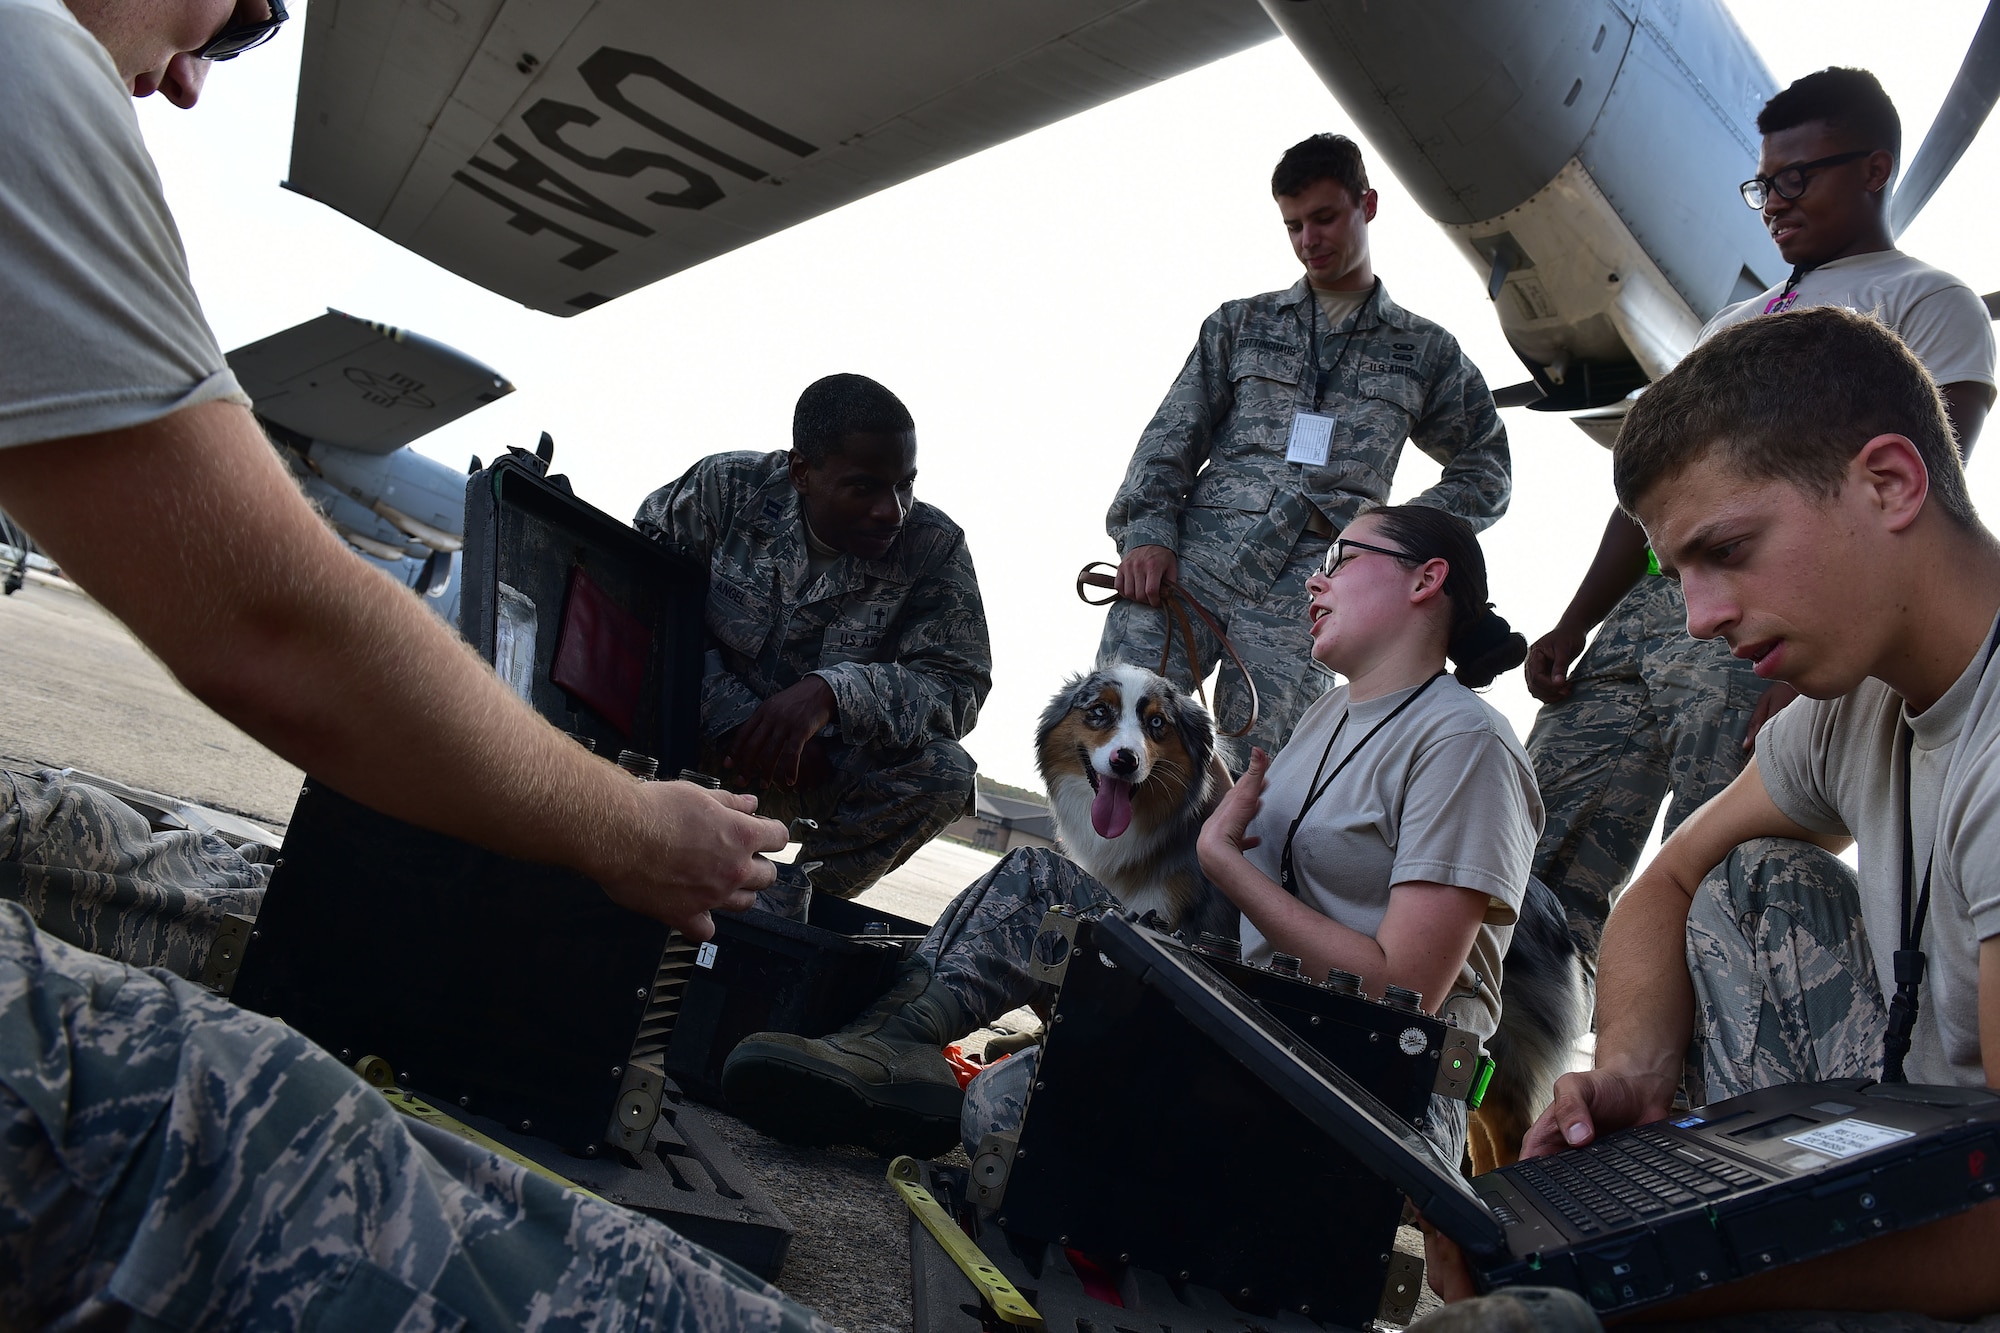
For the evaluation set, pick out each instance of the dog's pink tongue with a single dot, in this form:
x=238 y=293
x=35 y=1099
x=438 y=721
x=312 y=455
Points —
x=1111 y=812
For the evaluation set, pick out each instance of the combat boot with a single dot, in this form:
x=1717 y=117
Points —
x=881 y=1081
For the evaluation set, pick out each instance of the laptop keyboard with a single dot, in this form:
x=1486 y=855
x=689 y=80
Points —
x=1631 y=1177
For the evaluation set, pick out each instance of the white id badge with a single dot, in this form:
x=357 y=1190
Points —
x=1312 y=439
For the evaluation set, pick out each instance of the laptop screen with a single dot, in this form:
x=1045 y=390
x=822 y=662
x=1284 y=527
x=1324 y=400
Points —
x=1316 y=1088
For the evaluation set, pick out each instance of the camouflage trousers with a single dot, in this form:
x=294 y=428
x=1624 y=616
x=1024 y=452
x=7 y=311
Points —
x=1652 y=713
x=1269 y=633
x=980 y=949
x=1784 y=983
x=91 y=871
x=981 y=946
x=171 y=1160
x=880 y=807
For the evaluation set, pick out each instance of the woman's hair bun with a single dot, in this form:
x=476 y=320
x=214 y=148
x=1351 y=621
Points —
x=1485 y=646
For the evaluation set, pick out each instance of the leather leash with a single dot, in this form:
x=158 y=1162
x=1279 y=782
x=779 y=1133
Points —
x=1177 y=602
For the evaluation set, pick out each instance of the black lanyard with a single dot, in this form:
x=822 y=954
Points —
x=1909 y=959
x=1320 y=377
x=1316 y=789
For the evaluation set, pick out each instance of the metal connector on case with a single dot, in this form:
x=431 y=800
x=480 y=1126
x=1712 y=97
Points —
x=637 y=1109
x=1458 y=1065
x=990 y=1168
x=1048 y=959
x=1400 y=1289
x=225 y=956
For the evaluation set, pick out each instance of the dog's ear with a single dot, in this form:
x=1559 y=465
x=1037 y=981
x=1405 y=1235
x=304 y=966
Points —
x=1197 y=731
x=1065 y=699
x=1073 y=692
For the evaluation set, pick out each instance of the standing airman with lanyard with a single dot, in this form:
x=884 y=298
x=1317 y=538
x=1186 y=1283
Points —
x=1289 y=418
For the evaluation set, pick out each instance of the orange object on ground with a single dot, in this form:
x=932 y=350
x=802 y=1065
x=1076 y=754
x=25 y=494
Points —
x=963 y=1067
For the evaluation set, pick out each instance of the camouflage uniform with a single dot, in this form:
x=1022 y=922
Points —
x=1209 y=480
x=172 y=1155
x=90 y=870
x=901 y=641
x=980 y=949
x=1651 y=712
x=1785 y=987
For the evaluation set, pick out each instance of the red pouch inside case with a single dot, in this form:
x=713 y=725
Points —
x=601 y=652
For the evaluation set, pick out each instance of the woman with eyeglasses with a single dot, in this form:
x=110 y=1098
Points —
x=1392 y=836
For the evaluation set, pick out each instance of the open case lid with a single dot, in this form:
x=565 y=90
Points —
x=512 y=989
x=1311 y=1084
x=531 y=549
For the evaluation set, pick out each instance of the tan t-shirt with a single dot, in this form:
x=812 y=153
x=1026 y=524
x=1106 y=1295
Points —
x=1835 y=766
x=1335 y=307
x=99 y=326
x=1943 y=320
x=1444 y=793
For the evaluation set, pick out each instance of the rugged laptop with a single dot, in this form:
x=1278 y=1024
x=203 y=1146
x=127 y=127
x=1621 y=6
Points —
x=1645 y=1214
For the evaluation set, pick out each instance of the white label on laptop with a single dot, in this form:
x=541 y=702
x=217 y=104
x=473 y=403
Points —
x=1312 y=439
x=1847 y=1138
x=705 y=955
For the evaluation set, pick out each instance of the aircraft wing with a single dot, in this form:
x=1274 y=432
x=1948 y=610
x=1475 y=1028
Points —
x=565 y=152
x=361 y=385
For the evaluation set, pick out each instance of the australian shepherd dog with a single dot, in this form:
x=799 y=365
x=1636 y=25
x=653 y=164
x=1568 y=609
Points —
x=1131 y=769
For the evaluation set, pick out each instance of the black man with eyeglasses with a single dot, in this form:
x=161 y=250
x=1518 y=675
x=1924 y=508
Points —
x=166 y=1159
x=1650 y=713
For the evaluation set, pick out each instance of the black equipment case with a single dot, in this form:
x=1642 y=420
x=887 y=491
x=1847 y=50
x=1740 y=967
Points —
x=507 y=989
x=1147 y=1146
x=763 y=973
x=518 y=991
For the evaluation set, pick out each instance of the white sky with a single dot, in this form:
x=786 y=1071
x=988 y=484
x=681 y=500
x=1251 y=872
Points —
x=1030 y=304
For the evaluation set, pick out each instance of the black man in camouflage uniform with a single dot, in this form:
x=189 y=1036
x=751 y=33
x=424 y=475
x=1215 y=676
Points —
x=847 y=650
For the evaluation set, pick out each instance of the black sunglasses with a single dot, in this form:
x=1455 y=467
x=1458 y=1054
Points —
x=1791 y=182
x=236 y=38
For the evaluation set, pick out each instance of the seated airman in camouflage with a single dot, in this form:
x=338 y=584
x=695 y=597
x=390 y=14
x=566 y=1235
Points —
x=168 y=1160
x=1286 y=422
x=847 y=652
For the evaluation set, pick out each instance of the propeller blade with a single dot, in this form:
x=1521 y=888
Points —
x=1958 y=120
x=1518 y=395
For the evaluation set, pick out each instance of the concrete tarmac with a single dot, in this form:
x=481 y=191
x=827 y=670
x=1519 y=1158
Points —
x=78 y=691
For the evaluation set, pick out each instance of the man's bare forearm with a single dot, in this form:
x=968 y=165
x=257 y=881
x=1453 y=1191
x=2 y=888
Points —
x=191 y=532
x=1645 y=1000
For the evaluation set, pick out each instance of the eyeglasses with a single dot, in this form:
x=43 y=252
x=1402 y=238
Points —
x=1336 y=554
x=1791 y=182
x=236 y=38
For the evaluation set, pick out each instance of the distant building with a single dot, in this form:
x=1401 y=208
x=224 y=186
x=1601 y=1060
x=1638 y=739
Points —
x=1001 y=823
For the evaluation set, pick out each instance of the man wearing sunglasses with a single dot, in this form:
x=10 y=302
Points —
x=167 y=1159
x=1650 y=712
